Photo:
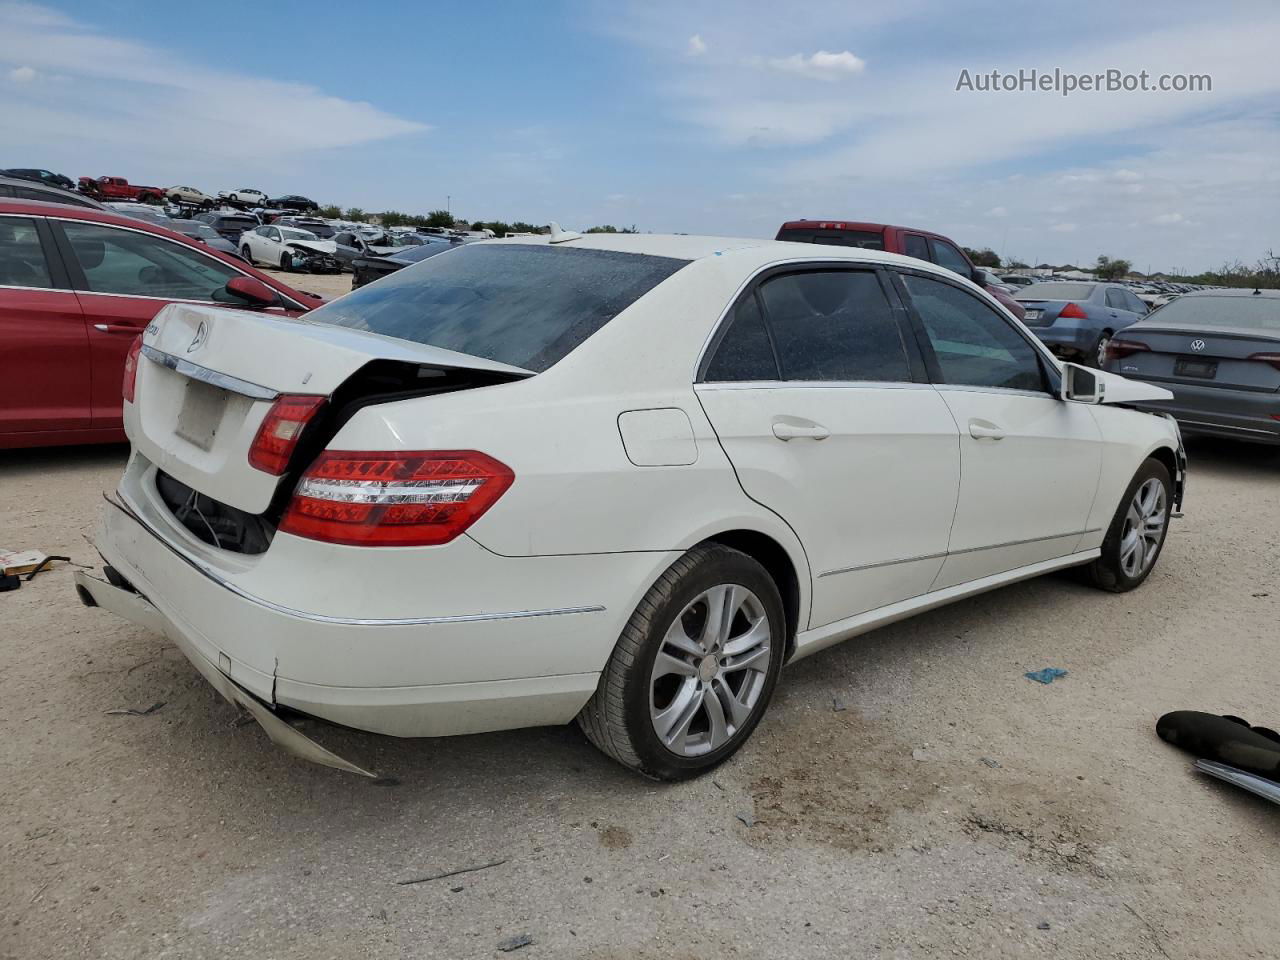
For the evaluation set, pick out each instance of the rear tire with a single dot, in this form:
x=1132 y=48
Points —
x=686 y=686
x=1098 y=355
x=1137 y=532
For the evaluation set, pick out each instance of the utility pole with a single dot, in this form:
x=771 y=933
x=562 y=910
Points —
x=448 y=201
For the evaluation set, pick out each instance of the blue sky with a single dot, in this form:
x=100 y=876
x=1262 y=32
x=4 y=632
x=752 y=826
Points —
x=723 y=118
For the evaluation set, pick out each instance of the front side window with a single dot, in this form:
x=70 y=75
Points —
x=22 y=262
x=974 y=345
x=945 y=255
x=834 y=325
x=525 y=305
x=138 y=264
x=744 y=354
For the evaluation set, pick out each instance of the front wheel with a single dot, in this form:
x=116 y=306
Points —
x=694 y=669
x=246 y=255
x=1137 y=532
x=286 y=262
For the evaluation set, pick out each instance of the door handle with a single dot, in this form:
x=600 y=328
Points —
x=985 y=430
x=116 y=328
x=804 y=430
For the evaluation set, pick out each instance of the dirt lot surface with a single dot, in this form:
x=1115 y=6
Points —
x=328 y=285
x=949 y=807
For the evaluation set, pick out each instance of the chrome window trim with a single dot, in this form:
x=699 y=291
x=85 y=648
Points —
x=1001 y=391
x=958 y=553
x=810 y=385
x=9 y=286
x=214 y=378
x=345 y=621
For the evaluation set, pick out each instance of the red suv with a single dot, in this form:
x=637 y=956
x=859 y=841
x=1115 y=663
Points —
x=77 y=287
x=909 y=241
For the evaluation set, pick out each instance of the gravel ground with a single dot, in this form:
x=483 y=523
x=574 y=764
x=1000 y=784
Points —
x=328 y=285
x=951 y=808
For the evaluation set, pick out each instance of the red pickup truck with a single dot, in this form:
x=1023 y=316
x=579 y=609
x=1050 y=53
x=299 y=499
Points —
x=921 y=244
x=118 y=188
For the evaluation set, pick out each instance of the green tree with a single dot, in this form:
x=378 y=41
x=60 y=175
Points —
x=440 y=218
x=610 y=228
x=521 y=227
x=354 y=213
x=393 y=218
x=1016 y=264
x=986 y=257
x=330 y=211
x=1108 y=269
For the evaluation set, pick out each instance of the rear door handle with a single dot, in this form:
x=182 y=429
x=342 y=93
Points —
x=116 y=328
x=985 y=430
x=799 y=430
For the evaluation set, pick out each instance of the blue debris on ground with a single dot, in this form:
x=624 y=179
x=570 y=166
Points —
x=1047 y=675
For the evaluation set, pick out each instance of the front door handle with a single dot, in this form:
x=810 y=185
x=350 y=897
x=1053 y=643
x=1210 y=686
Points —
x=799 y=430
x=116 y=328
x=985 y=430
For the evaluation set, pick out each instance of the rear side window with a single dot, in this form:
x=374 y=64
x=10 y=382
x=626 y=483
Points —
x=745 y=353
x=974 y=345
x=834 y=325
x=1116 y=300
x=866 y=239
x=916 y=246
x=522 y=304
x=22 y=262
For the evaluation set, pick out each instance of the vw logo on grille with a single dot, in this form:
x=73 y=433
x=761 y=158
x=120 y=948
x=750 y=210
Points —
x=202 y=332
x=1197 y=345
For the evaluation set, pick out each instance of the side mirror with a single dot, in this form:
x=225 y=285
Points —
x=1081 y=385
x=976 y=277
x=253 y=292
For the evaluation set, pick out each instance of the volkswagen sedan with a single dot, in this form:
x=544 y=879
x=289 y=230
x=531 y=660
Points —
x=617 y=478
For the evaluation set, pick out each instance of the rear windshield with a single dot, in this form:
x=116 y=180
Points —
x=522 y=304
x=867 y=239
x=247 y=223
x=1056 y=291
x=1255 y=313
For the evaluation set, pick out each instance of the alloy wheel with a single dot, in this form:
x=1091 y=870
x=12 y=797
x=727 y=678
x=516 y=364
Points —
x=710 y=671
x=1103 y=343
x=1143 y=528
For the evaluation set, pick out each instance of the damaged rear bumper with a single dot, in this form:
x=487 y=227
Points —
x=134 y=607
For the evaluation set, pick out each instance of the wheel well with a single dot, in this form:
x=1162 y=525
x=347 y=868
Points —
x=773 y=557
x=1170 y=461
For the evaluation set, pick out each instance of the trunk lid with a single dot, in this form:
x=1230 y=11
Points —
x=1206 y=357
x=1041 y=313
x=208 y=377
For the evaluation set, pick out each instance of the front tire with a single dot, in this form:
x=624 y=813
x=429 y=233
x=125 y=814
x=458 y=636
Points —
x=694 y=669
x=286 y=263
x=246 y=255
x=1137 y=532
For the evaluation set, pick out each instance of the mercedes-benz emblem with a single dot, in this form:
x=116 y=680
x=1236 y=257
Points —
x=1196 y=345
x=202 y=333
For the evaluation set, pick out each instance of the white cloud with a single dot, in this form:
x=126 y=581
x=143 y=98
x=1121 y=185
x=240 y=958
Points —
x=697 y=46
x=22 y=74
x=1166 y=219
x=1063 y=228
x=997 y=212
x=821 y=65
x=139 y=101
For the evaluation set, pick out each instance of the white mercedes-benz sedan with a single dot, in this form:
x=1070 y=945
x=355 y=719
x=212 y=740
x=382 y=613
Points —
x=617 y=479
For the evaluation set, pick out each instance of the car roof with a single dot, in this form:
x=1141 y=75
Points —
x=41 y=185
x=1231 y=292
x=857 y=225
x=749 y=252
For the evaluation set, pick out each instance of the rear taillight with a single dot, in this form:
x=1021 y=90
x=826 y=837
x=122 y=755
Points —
x=394 y=499
x=1073 y=311
x=1271 y=358
x=1124 y=348
x=130 y=385
x=278 y=435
